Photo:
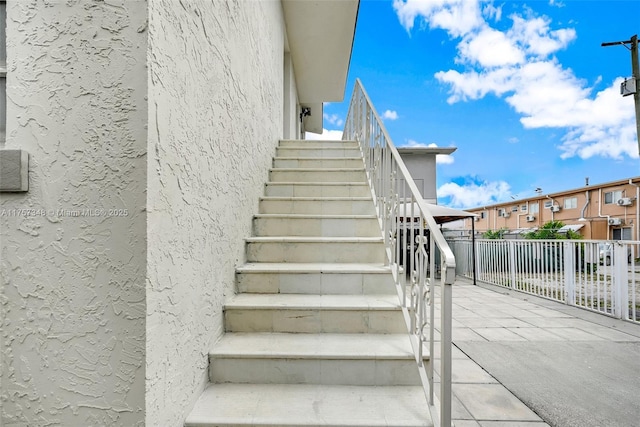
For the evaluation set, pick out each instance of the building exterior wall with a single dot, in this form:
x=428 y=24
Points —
x=73 y=248
x=591 y=203
x=215 y=116
x=291 y=126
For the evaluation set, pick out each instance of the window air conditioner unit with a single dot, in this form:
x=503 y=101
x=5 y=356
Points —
x=625 y=201
x=615 y=221
x=555 y=208
x=531 y=218
x=476 y=219
x=506 y=214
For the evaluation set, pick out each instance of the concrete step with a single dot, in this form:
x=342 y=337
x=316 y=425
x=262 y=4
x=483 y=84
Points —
x=338 y=359
x=317 y=152
x=317 y=174
x=288 y=143
x=316 y=225
x=329 y=162
x=277 y=405
x=317 y=205
x=317 y=189
x=319 y=279
x=358 y=314
x=316 y=249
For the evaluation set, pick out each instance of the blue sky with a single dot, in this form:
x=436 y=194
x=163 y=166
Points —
x=523 y=89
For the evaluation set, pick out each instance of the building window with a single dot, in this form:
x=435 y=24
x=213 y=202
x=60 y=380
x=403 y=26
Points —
x=622 y=233
x=571 y=203
x=501 y=211
x=483 y=215
x=548 y=204
x=612 y=197
x=514 y=209
x=534 y=208
x=523 y=208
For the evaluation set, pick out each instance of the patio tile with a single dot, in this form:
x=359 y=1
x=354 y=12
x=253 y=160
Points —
x=466 y=423
x=512 y=424
x=609 y=334
x=492 y=402
x=575 y=334
x=498 y=334
x=466 y=371
x=466 y=334
x=479 y=322
x=536 y=334
x=512 y=323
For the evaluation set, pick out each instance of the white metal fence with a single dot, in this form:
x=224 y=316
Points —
x=410 y=234
x=602 y=276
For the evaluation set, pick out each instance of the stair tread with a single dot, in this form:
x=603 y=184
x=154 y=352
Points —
x=318 y=158
x=335 y=183
x=314 y=216
x=310 y=405
x=283 y=267
x=312 y=239
x=318 y=198
x=312 y=301
x=311 y=141
x=318 y=169
x=348 y=346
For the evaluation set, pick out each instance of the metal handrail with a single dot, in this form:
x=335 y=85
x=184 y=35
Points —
x=411 y=237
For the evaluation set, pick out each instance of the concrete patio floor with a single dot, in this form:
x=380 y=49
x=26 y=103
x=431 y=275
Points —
x=524 y=361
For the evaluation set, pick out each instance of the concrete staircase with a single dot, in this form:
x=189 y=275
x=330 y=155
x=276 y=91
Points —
x=315 y=335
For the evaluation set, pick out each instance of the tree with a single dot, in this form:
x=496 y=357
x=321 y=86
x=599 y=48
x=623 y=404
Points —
x=497 y=234
x=551 y=231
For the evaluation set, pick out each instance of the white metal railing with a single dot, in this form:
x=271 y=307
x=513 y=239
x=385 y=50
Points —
x=597 y=275
x=411 y=235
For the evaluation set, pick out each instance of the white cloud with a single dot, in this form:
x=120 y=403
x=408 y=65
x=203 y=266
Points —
x=492 y=12
x=390 y=115
x=474 y=194
x=327 y=135
x=458 y=17
x=519 y=65
x=490 y=48
x=333 y=119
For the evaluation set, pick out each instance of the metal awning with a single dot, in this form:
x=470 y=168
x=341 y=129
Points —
x=441 y=214
x=572 y=227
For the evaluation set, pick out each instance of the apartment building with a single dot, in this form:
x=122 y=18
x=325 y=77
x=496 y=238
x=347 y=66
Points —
x=607 y=211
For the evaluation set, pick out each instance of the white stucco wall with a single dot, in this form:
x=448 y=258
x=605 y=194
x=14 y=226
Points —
x=215 y=117
x=73 y=304
x=291 y=127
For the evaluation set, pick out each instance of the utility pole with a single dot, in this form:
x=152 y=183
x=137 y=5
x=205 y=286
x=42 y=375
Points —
x=633 y=86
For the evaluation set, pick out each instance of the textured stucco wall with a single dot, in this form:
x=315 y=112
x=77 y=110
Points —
x=215 y=116
x=73 y=249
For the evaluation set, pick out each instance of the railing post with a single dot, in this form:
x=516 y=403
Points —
x=512 y=263
x=569 y=273
x=445 y=347
x=620 y=282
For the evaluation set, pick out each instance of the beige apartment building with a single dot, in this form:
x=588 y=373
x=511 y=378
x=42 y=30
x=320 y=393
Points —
x=608 y=211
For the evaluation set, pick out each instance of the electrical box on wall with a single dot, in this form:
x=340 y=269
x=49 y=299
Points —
x=628 y=87
x=14 y=171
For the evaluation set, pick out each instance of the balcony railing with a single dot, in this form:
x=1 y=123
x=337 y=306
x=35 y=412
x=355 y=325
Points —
x=411 y=235
x=601 y=276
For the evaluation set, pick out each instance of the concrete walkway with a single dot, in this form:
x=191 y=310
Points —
x=524 y=361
